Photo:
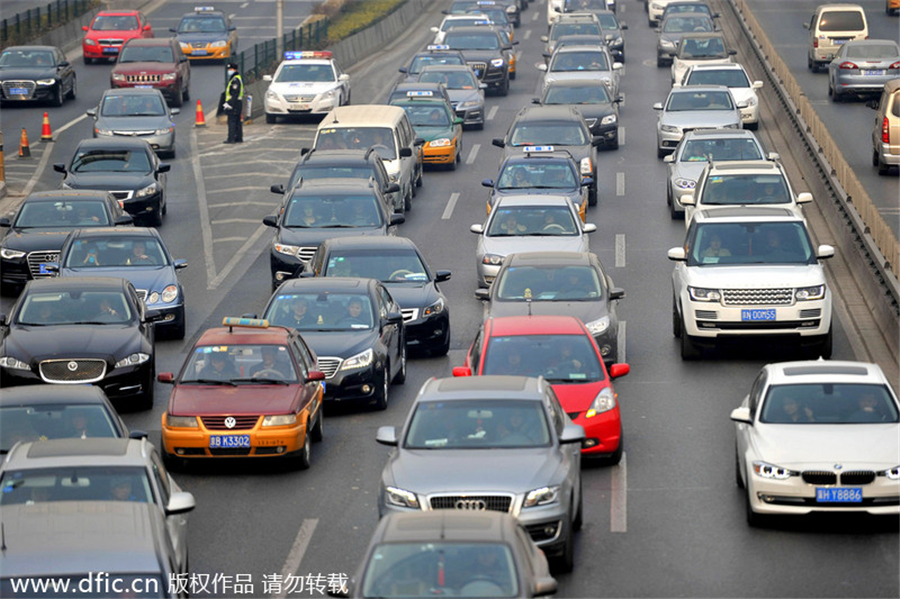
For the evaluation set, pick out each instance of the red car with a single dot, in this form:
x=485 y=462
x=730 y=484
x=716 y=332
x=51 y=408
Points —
x=109 y=30
x=563 y=351
x=157 y=62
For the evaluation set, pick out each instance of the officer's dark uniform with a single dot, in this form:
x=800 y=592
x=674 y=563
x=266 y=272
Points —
x=234 y=97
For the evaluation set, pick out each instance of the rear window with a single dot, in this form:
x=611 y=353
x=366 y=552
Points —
x=842 y=20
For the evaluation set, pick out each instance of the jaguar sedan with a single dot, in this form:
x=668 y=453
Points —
x=689 y=108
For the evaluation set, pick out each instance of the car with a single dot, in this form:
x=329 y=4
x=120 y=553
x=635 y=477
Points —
x=37 y=230
x=90 y=330
x=246 y=389
x=153 y=62
x=321 y=209
x=527 y=222
x=433 y=55
x=561 y=127
x=891 y=7
x=434 y=120
x=673 y=28
x=818 y=437
x=306 y=82
x=399 y=265
x=139 y=113
x=540 y=170
x=594 y=100
x=356 y=330
x=595 y=6
x=497 y=16
x=655 y=9
x=734 y=77
x=554 y=11
x=886 y=132
x=507 y=41
x=531 y=471
x=700 y=48
x=36 y=74
x=581 y=24
x=435 y=89
x=580 y=63
x=39 y=412
x=748 y=273
x=688 y=6
x=468 y=19
x=743 y=183
x=465 y=91
x=486 y=52
x=831 y=26
x=862 y=67
x=513 y=8
x=612 y=32
x=109 y=30
x=687 y=108
x=139 y=255
x=101 y=505
x=488 y=554
x=125 y=166
x=562 y=350
x=696 y=149
x=558 y=283
x=206 y=34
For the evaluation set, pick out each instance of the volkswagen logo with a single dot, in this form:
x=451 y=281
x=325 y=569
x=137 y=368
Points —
x=230 y=422
x=471 y=504
x=72 y=366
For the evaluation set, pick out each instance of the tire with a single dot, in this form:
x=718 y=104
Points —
x=155 y=219
x=59 y=98
x=400 y=377
x=303 y=459
x=738 y=480
x=318 y=430
x=407 y=202
x=593 y=195
x=883 y=169
x=689 y=349
x=173 y=463
x=187 y=94
x=565 y=563
x=660 y=62
x=419 y=179
x=146 y=402
x=178 y=331
x=444 y=347
x=88 y=60
x=752 y=126
x=578 y=522
x=660 y=153
x=178 y=99
x=676 y=322
x=825 y=347
x=271 y=119
x=753 y=519
x=504 y=89
x=875 y=158
x=616 y=456
x=615 y=143
x=512 y=76
x=673 y=213
x=74 y=91
x=381 y=399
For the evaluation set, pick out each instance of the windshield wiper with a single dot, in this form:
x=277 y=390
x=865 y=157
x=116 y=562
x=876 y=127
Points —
x=211 y=382
x=91 y=322
x=262 y=381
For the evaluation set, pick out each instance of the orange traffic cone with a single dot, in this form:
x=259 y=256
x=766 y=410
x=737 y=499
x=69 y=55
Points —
x=201 y=120
x=24 y=150
x=46 y=134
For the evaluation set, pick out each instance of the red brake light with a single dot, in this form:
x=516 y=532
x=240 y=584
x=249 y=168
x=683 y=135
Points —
x=847 y=65
x=895 y=66
x=885 y=131
x=815 y=43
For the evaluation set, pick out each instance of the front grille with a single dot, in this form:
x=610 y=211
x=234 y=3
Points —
x=706 y=314
x=857 y=477
x=230 y=451
x=241 y=423
x=28 y=86
x=493 y=503
x=543 y=532
x=329 y=366
x=811 y=313
x=306 y=253
x=758 y=297
x=135 y=133
x=198 y=44
x=122 y=195
x=143 y=78
x=410 y=314
x=817 y=477
x=72 y=371
x=36 y=258
x=110 y=42
x=142 y=293
x=480 y=68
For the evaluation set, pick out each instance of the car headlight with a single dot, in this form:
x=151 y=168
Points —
x=492 y=259
x=149 y=190
x=184 y=45
x=328 y=95
x=152 y=298
x=891 y=473
x=14 y=363
x=280 y=420
x=169 y=76
x=469 y=104
x=608 y=119
x=669 y=128
x=360 y=360
x=133 y=360
x=435 y=308
x=99 y=131
x=771 y=471
x=617 y=42
x=666 y=44
x=288 y=250
x=169 y=294
x=682 y=183
x=400 y=497
x=699 y=294
x=586 y=167
x=511 y=9
x=219 y=44
x=11 y=254
x=46 y=81
x=270 y=95
x=604 y=402
x=656 y=6
x=89 y=42
x=815 y=292
x=118 y=77
x=181 y=421
x=732 y=126
x=598 y=326
x=168 y=129
x=440 y=143
x=497 y=62
x=752 y=101
x=542 y=496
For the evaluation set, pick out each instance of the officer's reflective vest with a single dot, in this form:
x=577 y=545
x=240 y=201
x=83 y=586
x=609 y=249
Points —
x=228 y=89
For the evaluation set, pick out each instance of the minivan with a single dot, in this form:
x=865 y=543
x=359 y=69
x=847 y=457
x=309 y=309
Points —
x=886 y=132
x=831 y=26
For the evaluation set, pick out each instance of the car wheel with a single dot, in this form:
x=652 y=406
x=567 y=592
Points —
x=752 y=126
x=179 y=328
x=614 y=144
x=578 y=522
x=74 y=91
x=738 y=480
x=271 y=119
x=318 y=430
x=186 y=95
x=156 y=218
x=302 y=460
x=883 y=169
x=565 y=562
x=593 y=195
x=88 y=60
x=444 y=347
x=673 y=213
x=689 y=349
x=173 y=463
x=676 y=321
x=874 y=157
x=178 y=99
x=381 y=398
x=825 y=347
x=419 y=179
x=407 y=201
x=660 y=62
x=400 y=377
x=146 y=402
x=59 y=98
x=810 y=64
x=661 y=153
x=512 y=75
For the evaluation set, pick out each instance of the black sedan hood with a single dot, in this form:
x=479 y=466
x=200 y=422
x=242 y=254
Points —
x=340 y=344
x=409 y=295
x=586 y=311
x=29 y=73
x=111 y=342
x=29 y=240
x=110 y=181
x=481 y=55
x=595 y=111
x=309 y=236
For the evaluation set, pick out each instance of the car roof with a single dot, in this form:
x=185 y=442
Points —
x=694 y=89
x=870 y=42
x=93 y=451
x=556 y=155
x=553 y=112
x=367 y=115
x=132 y=91
x=327 y=285
x=717 y=132
x=77 y=284
x=118 y=142
x=747 y=213
x=107 y=232
x=719 y=66
x=117 y=13
x=470 y=29
x=370 y=242
x=436 y=67
x=578 y=82
x=52 y=394
x=576 y=17
x=350 y=156
x=335 y=186
x=482 y=387
x=507 y=326
x=825 y=371
x=56 y=195
x=273 y=335
x=531 y=199
x=446 y=526
x=551 y=258
x=30 y=48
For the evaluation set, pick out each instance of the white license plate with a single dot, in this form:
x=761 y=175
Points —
x=839 y=495
x=298 y=107
x=873 y=73
x=754 y=315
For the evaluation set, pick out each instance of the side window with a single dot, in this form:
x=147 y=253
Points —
x=301 y=356
x=756 y=391
x=553 y=408
x=894 y=99
x=160 y=478
x=386 y=303
x=476 y=352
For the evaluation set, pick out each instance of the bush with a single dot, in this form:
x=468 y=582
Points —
x=357 y=15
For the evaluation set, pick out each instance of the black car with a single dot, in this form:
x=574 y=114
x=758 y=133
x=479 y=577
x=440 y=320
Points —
x=594 y=100
x=39 y=227
x=355 y=328
x=513 y=8
x=398 y=263
x=36 y=73
x=139 y=255
x=486 y=52
x=434 y=54
x=127 y=167
x=79 y=331
x=318 y=210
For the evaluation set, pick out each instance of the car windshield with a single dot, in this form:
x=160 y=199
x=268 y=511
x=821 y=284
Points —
x=745 y=189
x=557 y=175
x=828 y=403
x=248 y=364
x=713 y=47
x=558 y=358
x=310 y=173
x=750 y=243
x=581 y=60
x=290 y=73
x=74 y=307
x=727 y=77
x=455 y=79
x=117 y=252
x=497 y=16
x=549 y=134
x=134 y=53
x=405 y=569
x=608 y=22
x=472 y=41
x=427 y=115
x=477 y=424
x=330 y=212
x=62 y=214
x=115 y=23
x=580 y=5
x=27 y=58
x=111 y=161
x=53 y=421
x=211 y=24
x=559 y=283
x=325 y=311
x=532 y=221
x=686 y=24
x=561 y=29
x=703 y=150
x=386 y=265
x=687 y=100
x=593 y=94
x=696 y=7
x=449 y=24
x=75 y=483
x=132 y=105
x=420 y=61
x=358 y=138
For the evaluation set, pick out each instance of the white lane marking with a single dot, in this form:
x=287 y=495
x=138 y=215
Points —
x=451 y=204
x=228 y=239
x=622 y=136
x=229 y=221
x=230 y=189
x=618 y=506
x=527 y=35
x=205 y=227
x=620 y=357
x=534 y=17
x=620 y=250
x=238 y=256
x=492 y=112
x=473 y=153
x=244 y=5
x=295 y=555
x=45 y=157
x=242 y=203
x=620 y=184
x=232 y=15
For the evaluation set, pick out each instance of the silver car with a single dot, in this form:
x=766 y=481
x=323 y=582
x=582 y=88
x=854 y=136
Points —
x=700 y=48
x=527 y=452
x=465 y=91
x=688 y=108
x=734 y=77
x=136 y=113
x=528 y=222
x=673 y=28
x=863 y=67
x=579 y=63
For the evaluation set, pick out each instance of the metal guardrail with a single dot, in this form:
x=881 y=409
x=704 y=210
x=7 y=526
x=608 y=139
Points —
x=33 y=22
x=262 y=57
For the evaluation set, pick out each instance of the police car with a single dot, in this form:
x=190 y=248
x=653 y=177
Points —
x=206 y=34
x=307 y=82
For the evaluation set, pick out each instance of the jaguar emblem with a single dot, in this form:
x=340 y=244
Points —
x=72 y=366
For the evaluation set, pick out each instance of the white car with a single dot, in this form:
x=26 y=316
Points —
x=308 y=82
x=700 y=48
x=750 y=272
x=818 y=437
x=554 y=9
x=655 y=9
x=734 y=77
x=451 y=21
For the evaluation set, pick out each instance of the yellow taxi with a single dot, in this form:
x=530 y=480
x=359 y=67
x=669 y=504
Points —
x=206 y=34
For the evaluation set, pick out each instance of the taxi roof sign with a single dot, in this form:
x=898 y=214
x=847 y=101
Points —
x=438 y=47
x=419 y=94
x=530 y=149
x=204 y=8
x=483 y=23
x=486 y=2
x=251 y=323
x=300 y=55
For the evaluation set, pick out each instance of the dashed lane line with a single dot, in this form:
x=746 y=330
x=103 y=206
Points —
x=230 y=221
x=620 y=184
x=618 y=505
x=243 y=203
x=621 y=337
x=295 y=556
x=451 y=204
x=205 y=227
x=492 y=112
x=473 y=153
x=620 y=250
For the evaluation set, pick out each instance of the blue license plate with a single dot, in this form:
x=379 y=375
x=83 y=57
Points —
x=873 y=73
x=839 y=42
x=143 y=86
x=42 y=269
x=18 y=91
x=754 y=315
x=222 y=441
x=839 y=495
x=110 y=50
x=199 y=52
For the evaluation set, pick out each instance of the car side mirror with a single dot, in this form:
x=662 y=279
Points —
x=180 y=503
x=545 y=39
x=397 y=219
x=571 y=433
x=91 y=112
x=676 y=254
x=232 y=28
x=172 y=29
x=688 y=200
x=405 y=152
x=165 y=377
x=52 y=267
x=773 y=156
x=277 y=189
x=3 y=321
x=344 y=77
x=824 y=252
x=147 y=28
x=392 y=188
x=618 y=370
x=669 y=158
x=315 y=375
x=180 y=264
x=60 y=168
x=386 y=435
x=487 y=183
x=441 y=276
x=542 y=67
x=482 y=86
x=84 y=27
x=805 y=25
x=270 y=221
x=458 y=121
x=804 y=198
x=483 y=294
x=419 y=142
x=498 y=142
x=546 y=54
x=304 y=151
x=587 y=181
x=477 y=229
x=535 y=100
x=732 y=52
x=64 y=63
x=5 y=222
x=164 y=168
x=125 y=219
x=618 y=66
x=741 y=414
x=137 y=434
x=462 y=371
x=402 y=70
x=589 y=227
x=174 y=111
x=616 y=293
x=434 y=29
x=545 y=585
x=657 y=106
x=394 y=317
x=622 y=25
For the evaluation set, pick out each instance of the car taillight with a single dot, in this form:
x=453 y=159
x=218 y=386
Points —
x=895 y=66
x=885 y=131
x=847 y=65
x=815 y=43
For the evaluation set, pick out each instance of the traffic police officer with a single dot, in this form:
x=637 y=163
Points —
x=234 y=104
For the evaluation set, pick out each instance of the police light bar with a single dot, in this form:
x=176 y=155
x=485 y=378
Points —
x=530 y=149
x=308 y=54
x=419 y=94
x=438 y=47
x=251 y=323
x=204 y=8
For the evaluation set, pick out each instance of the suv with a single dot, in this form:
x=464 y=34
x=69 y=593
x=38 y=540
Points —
x=583 y=23
x=750 y=272
x=154 y=62
x=886 y=133
x=486 y=51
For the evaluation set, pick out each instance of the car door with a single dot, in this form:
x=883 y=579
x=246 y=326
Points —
x=570 y=453
x=177 y=523
x=65 y=70
x=391 y=333
x=305 y=362
x=743 y=431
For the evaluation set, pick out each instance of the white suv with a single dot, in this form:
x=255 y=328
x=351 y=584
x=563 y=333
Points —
x=750 y=271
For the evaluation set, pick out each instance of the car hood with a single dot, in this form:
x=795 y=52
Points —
x=307 y=237
x=587 y=311
x=110 y=342
x=150 y=68
x=125 y=34
x=244 y=399
x=578 y=397
x=465 y=95
x=822 y=446
x=11 y=73
x=151 y=278
x=133 y=123
x=581 y=76
x=689 y=170
x=481 y=55
x=594 y=111
x=187 y=38
x=748 y=276
x=410 y=295
x=303 y=87
x=339 y=344
x=110 y=181
x=432 y=133
x=505 y=246
x=29 y=240
x=708 y=119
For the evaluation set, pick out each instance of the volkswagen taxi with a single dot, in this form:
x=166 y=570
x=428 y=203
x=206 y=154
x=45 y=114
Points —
x=246 y=389
x=206 y=34
x=434 y=121
x=306 y=82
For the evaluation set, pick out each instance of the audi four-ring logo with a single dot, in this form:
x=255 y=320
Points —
x=471 y=504
x=72 y=366
x=230 y=422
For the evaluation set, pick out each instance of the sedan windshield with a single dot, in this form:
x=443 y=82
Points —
x=750 y=243
x=221 y=364
x=585 y=60
x=828 y=403
x=53 y=421
x=111 y=161
x=686 y=24
x=324 y=311
x=455 y=79
x=305 y=72
x=213 y=24
x=535 y=221
x=131 y=53
x=116 y=252
x=594 y=94
x=745 y=189
x=327 y=212
x=27 y=58
x=115 y=23
x=74 y=307
x=703 y=150
x=472 y=41
x=75 y=483
x=727 y=77
x=541 y=176
x=63 y=214
x=548 y=134
x=569 y=283
x=562 y=29
x=478 y=424
x=558 y=358
x=702 y=48
x=426 y=60
x=388 y=266
x=706 y=100
x=428 y=115
x=132 y=105
x=358 y=138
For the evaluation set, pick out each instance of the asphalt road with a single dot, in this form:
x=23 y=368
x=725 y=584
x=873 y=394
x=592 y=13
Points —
x=667 y=522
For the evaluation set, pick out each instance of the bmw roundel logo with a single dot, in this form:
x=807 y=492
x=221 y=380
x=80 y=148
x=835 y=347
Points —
x=72 y=366
x=230 y=422
x=838 y=466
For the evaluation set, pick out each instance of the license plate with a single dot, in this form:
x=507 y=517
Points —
x=299 y=107
x=143 y=86
x=839 y=495
x=18 y=91
x=753 y=315
x=110 y=50
x=839 y=42
x=220 y=441
x=42 y=269
x=199 y=52
x=873 y=73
